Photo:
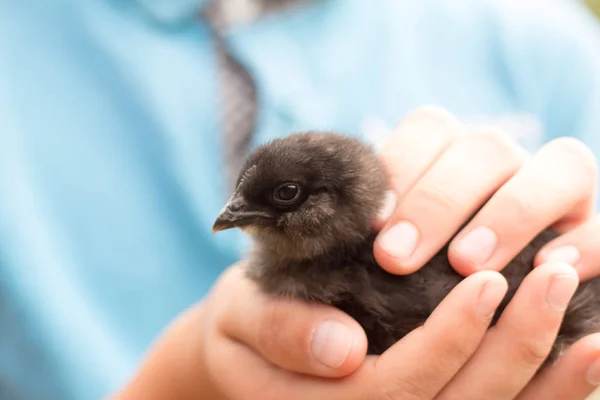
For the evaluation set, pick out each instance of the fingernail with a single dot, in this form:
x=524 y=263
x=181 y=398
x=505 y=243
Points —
x=490 y=297
x=560 y=291
x=593 y=373
x=568 y=254
x=400 y=240
x=478 y=245
x=389 y=205
x=332 y=341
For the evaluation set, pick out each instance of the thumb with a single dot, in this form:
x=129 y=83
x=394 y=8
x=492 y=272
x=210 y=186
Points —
x=298 y=336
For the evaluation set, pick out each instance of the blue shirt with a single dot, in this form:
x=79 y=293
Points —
x=111 y=169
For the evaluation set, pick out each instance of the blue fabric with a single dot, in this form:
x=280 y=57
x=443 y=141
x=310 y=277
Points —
x=110 y=158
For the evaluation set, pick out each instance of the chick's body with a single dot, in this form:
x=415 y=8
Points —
x=313 y=241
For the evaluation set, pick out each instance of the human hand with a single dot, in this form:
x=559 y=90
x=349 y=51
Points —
x=444 y=174
x=241 y=344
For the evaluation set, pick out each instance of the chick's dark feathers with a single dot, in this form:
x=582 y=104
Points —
x=321 y=247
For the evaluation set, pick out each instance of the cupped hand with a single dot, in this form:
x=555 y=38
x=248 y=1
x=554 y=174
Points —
x=241 y=344
x=447 y=177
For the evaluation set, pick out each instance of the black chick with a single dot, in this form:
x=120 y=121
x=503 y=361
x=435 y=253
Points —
x=309 y=200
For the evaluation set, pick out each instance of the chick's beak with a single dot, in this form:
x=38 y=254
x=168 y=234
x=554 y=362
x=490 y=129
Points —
x=237 y=213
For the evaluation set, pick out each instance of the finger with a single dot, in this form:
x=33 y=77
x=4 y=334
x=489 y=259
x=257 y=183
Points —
x=579 y=247
x=419 y=139
x=420 y=364
x=471 y=169
x=242 y=374
x=557 y=185
x=308 y=338
x=417 y=142
x=573 y=377
x=518 y=344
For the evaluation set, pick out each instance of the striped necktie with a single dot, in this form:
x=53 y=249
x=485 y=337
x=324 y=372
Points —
x=238 y=93
x=237 y=98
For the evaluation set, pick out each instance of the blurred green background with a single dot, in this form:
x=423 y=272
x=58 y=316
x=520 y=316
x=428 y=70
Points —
x=595 y=6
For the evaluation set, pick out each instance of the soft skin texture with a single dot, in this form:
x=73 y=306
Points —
x=445 y=177
x=239 y=342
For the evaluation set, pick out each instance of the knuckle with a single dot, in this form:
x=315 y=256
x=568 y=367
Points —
x=456 y=354
x=571 y=145
x=405 y=390
x=432 y=114
x=230 y=278
x=387 y=385
x=498 y=141
x=531 y=353
x=521 y=209
x=220 y=301
x=433 y=197
x=577 y=153
x=457 y=347
x=496 y=136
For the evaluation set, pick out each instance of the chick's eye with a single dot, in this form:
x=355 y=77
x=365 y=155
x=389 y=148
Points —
x=286 y=194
